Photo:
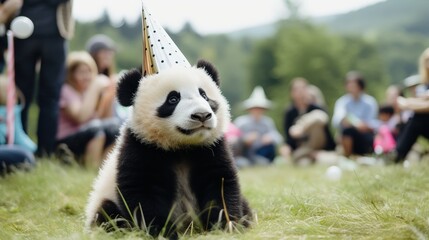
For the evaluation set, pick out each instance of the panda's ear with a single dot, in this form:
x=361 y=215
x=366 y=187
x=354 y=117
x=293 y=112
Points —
x=210 y=69
x=127 y=87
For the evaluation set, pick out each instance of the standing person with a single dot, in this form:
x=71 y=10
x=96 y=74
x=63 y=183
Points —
x=417 y=125
x=53 y=25
x=259 y=135
x=306 y=125
x=80 y=128
x=355 y=117
x=8 y=9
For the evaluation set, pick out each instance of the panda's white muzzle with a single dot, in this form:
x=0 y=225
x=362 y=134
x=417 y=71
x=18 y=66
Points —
x=198 y=121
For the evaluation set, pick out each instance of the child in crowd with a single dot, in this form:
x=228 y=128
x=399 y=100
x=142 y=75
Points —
x=84 y=98
x=384 y=140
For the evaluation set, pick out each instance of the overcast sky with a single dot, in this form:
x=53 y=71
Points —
x=218 y=16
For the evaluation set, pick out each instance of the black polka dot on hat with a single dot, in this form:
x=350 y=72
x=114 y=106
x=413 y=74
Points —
x=161 y=49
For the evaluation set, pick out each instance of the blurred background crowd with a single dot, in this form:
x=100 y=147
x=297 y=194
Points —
x=311 y=89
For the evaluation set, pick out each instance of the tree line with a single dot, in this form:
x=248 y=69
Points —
x=299 y=48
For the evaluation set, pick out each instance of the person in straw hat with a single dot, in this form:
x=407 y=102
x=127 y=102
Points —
x=259 y=135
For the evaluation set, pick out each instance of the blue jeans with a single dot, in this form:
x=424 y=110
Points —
x=267 y=151
x=52 y=53
x=15 y=157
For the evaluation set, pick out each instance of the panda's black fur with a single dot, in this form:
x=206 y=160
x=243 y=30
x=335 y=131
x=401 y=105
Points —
x=149 y=177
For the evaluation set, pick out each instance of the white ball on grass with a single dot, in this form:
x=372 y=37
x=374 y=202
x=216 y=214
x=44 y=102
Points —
x=22 y=27
x=334 y=173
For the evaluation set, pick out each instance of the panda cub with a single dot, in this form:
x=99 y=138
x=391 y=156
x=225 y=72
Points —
x=171 y=164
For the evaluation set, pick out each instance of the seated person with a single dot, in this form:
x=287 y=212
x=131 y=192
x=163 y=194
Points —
x=305 y=125
x=80 y=130
x=103 y=50
x=417 y=125
x=355 y=117
x=316 y=96
x=259 y=135
x=19 y=154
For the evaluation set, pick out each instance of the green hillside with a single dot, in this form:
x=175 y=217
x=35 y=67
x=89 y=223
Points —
x=398 y=28
x=410 y=16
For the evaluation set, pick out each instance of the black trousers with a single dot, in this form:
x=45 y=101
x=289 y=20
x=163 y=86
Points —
x=416 y=126
x=362 y=142
x=77 y=142
x=51 y=52
x=3 y=47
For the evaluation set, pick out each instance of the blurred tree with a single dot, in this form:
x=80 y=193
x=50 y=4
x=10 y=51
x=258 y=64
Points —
x=294 y=9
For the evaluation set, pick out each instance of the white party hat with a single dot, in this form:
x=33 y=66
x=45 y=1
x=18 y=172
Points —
x=159 y=50
x=257 y=99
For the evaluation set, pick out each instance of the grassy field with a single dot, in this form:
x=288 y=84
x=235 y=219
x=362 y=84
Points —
x=292 y=203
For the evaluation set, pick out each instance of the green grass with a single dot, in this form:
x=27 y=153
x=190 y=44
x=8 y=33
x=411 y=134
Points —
x=291 y=203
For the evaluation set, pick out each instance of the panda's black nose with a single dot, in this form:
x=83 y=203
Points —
x=202 y=117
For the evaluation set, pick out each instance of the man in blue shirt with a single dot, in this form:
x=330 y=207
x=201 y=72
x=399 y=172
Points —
x=355 y=117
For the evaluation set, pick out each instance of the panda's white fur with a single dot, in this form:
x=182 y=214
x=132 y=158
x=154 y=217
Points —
x=104 y=184
x=151 y=129
x=152 y=93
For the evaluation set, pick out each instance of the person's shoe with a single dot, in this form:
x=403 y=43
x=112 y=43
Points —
x=64 y=154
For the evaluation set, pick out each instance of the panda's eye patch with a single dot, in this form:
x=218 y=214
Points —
x=203 y=94
x=173 y=97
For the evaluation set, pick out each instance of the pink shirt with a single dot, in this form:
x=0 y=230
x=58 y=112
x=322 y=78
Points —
x=66 y=125
x=232 y=132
